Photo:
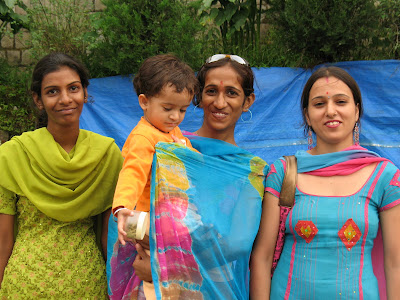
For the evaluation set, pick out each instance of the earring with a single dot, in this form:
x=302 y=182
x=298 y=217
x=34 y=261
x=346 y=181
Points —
x=356 y=135
x=194 y=109
x=310 y=139
x=251 y=117
x=85 y=99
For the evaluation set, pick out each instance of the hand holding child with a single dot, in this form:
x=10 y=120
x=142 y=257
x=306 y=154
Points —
x=142 y=264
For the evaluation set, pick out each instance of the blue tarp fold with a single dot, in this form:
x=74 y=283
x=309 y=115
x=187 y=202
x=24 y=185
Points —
x=276 y=126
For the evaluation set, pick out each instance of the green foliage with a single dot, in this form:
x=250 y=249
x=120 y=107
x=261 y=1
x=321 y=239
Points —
x=389 y=29
x=59 y=25
x=309 y=32
x=16 y=112
x=9 y=17
x=239 y=25
x=127 y=32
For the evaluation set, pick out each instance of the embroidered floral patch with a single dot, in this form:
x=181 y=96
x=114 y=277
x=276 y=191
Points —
x=306 y=229
x=396 y=179
x=350 y=234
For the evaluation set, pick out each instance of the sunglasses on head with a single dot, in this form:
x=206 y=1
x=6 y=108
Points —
x=217 y=57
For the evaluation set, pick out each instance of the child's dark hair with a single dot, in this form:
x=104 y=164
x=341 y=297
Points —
x=158 y=71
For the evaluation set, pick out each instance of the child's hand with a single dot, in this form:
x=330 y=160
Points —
x=123 y=214
x=179 y=141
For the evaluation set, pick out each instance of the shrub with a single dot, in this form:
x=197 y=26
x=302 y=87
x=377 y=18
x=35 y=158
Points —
x=235 y=25
x=16 y=110
x=127 y=32
x=310 y=32
x=389 y=29
x=59 y=26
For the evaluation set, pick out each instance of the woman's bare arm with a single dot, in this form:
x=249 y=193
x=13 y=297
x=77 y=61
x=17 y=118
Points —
x=263 y=250
x=6 y=241
x=104 y=232
x=390 y=223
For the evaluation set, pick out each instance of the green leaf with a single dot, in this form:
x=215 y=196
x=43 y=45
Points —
x=229 y=11
x=213 y=13
x=220 y=18
x=206 y=17
x=10 y=3
x=3 y=10
x=206 y=4
x=240 y=18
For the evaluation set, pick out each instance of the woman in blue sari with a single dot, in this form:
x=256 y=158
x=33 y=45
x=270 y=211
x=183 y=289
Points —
x=211 y=200
x=344 y=193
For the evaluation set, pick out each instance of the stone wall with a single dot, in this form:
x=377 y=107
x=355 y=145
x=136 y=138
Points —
x=15 y=49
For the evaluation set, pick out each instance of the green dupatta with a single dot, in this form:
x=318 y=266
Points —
x=64 y=186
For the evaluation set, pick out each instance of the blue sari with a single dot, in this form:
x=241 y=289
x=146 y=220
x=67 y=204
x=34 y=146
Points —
x=205 y=213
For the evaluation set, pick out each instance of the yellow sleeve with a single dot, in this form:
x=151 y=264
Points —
x=8 y=202
x=139 y=152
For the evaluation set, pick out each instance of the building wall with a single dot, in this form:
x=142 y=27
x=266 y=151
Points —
x=15 y=49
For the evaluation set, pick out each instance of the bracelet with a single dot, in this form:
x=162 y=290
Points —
x=116 y=212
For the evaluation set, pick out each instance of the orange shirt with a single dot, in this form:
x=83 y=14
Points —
x=133 y=187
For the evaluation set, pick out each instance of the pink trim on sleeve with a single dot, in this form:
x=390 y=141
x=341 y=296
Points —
x=395 y=182
x=390 y=205
x=272 y=191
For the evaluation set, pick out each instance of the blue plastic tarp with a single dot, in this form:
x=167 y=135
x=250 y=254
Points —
x=275 y=128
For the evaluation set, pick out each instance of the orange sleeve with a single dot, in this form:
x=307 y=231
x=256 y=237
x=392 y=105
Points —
x=138 y=152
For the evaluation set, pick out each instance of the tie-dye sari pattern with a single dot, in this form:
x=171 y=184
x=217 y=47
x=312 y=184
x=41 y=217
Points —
x=205 y=212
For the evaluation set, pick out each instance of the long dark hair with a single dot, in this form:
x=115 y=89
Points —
x=339 y=74
x=51 y=63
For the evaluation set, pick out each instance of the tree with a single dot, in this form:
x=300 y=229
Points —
x=239 y=24
x=311 y=32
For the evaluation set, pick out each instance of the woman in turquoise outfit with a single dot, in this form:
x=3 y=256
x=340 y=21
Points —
x=343 y=193
x=55 y=183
